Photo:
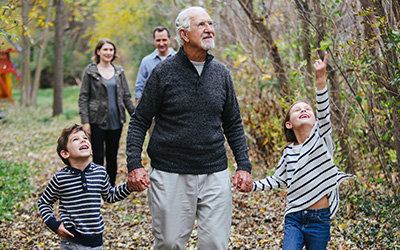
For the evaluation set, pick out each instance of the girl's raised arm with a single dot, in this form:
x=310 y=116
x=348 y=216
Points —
x=320 y=71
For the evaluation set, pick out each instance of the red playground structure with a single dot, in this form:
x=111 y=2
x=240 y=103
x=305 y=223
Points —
x=7 y=68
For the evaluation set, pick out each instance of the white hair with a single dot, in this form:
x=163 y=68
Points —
x=183 y=22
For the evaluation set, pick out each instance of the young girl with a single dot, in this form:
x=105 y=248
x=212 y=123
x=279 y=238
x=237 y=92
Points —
x=307 y=169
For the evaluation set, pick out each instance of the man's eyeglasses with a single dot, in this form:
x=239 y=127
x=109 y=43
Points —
x=205 y=24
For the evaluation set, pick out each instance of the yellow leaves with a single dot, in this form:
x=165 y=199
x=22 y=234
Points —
x=120 y=19
x=342 y=225
x=266 y=77
x=240 y=60
x=27 y=32
x=46 y=25
x=264 y=21
x=136 y=201
x=265 y=142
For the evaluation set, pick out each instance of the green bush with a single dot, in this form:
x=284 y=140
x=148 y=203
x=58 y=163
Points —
x=371 y=219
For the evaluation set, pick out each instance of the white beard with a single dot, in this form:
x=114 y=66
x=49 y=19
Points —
x=209 y=45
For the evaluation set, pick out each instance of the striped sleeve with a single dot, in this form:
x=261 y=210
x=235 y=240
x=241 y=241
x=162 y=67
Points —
x=324 y=119
x=275 y=181
x=113 y=194
x=45 y=204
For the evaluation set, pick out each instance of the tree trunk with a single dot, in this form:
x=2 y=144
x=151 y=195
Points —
x=391 y=58
x=396 y=10
x=58 y=58
x=26 y=56
x=266 y=35
x=302 y=7
x=40 y=56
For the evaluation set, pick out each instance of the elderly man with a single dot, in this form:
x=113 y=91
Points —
x=193 y=100
x=162 y=40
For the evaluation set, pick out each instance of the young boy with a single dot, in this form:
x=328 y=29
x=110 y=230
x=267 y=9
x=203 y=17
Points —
x=79 y=187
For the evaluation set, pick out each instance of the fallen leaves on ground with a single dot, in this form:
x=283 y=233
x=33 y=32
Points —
x=257 y=218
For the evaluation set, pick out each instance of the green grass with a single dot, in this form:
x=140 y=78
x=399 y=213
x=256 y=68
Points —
x=14 y=187
x=45 y=97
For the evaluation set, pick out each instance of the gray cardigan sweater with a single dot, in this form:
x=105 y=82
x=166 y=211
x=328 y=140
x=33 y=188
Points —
x=193 y=115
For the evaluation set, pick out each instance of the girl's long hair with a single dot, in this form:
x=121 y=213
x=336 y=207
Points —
x=289 y=134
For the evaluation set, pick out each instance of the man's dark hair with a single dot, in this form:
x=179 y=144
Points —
x=161 y=29
x=63 y=139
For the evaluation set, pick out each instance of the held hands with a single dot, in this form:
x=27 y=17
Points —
x=62 y=232
x=243 y=181
x=138 y=180
x=320 y=71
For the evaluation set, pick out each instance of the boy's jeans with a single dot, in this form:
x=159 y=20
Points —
x=310 y=227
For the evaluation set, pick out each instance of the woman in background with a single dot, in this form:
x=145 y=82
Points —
x=104 y=97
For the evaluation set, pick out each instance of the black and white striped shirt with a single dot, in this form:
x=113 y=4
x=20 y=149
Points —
x=308 y=170
x=80 y=193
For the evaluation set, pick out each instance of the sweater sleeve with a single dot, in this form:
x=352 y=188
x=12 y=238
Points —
x=141 y=121
x=233 y=128
x=45 y=204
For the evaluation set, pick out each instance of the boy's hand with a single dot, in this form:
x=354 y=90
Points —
x=138 y=180
x=320 y=71
x=62 y=232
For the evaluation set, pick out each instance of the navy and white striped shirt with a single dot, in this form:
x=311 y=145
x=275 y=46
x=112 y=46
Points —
x=80 y=193
x=308 y=170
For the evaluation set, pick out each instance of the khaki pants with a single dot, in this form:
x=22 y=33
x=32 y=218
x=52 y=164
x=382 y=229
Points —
x=177 y=200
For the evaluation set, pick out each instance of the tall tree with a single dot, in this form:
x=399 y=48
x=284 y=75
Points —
x=58 y=58
x=26 y=55
x=38 y=70
x=259 y=23
x=302 y=7
x=390 y=75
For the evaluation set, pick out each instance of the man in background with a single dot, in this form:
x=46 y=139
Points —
x=162 y=40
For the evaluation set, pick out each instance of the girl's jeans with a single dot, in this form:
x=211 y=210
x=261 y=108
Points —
x=310 y=227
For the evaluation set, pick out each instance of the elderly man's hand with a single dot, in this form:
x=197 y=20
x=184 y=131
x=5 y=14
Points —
x=138 y=180
x=243 y=181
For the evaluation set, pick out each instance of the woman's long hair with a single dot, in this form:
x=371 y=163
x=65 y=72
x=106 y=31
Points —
x=96 y=57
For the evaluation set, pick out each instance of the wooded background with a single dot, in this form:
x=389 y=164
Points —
x=269 y=46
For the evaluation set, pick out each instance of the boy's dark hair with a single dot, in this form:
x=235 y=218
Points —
x=63 y=139
x=161 y=29
x=289 y=134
